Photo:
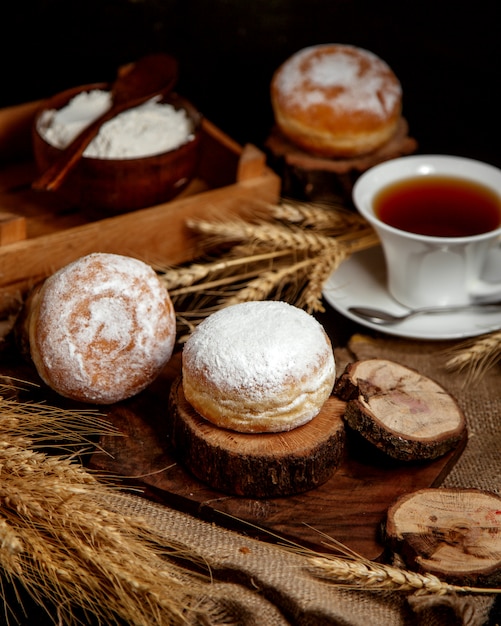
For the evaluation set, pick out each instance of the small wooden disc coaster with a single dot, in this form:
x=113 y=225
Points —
x=454 y=534
x=257 y=465
x=404 y=414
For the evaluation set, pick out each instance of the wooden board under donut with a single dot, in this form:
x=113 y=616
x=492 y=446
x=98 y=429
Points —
x=257 y=464
x=350 y=506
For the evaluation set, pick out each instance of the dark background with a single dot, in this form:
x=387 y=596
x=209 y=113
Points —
x=446 y=54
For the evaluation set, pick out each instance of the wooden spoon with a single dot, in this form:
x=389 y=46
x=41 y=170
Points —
x=155 y=74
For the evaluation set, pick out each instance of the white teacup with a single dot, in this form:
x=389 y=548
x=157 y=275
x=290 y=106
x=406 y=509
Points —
x=430 y=269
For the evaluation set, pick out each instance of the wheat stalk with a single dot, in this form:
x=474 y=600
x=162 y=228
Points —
x=41 y=424
x=175 y=278
x=329 y=218
x=59 y=542
x=476 y=356
x=275 y=235
x=353 y=571
x=289 y=255
x=371 y=576
x=272 y=280
x=367 y=575
x=325 y=264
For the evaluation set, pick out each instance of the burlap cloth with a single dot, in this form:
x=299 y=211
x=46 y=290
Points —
x=260 y=583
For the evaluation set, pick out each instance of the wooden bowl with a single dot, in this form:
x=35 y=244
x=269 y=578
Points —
x=121 y=185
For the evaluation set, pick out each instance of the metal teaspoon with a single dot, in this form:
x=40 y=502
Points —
x=377 y=316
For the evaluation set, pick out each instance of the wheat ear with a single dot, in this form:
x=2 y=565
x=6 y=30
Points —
x=371 y=576
x=61 y=544
x=184 y=277
x=318 y=216
x=322 y=268
x=354 y=571
x=476 y=356
x=267 y=282
x=275 y=235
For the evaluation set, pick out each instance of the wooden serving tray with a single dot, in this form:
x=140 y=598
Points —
x=350 y=506
x=39 y=233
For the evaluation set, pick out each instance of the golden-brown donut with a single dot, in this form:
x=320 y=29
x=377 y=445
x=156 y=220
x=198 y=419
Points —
x=336 y=100
x=263 y=366
x=101 y=329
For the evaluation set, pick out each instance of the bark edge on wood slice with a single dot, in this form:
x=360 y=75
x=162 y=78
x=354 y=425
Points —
x=314 y=178
x=454 y=534
x=257 y=465
x=405 y=414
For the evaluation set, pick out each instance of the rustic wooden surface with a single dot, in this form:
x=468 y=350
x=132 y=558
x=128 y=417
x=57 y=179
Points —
x=257 y=464
x=350 y=506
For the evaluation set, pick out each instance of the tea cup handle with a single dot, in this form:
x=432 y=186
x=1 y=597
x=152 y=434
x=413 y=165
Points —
x=488 y=286
x=485 y=292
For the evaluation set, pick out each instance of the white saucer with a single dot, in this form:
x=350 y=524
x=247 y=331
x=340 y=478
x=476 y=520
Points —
x=361 y=281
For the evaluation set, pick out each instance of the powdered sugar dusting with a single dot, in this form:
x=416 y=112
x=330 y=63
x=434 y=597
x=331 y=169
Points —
x=150 y=128
x=259 y=348
x=106 y=323
x=341 y=77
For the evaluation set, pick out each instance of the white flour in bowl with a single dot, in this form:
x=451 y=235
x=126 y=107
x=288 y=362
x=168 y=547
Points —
x=151 y=128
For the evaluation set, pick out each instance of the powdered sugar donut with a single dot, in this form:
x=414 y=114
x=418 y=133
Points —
x=264 y=366
x=336 y=100
x=101 y=328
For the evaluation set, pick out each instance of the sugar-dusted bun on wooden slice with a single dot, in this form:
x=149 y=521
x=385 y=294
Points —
x=101 y=328
x=454 y=534
x=336 y=100
x=258 y=367
x=403 y=413
x=257 y=465
x=253 y=414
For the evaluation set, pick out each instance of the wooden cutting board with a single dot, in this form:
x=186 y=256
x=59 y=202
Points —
x=349 y=507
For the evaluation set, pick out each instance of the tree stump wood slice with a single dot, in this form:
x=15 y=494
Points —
x=257 y=465
x=403 y=413
x=454 y=534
